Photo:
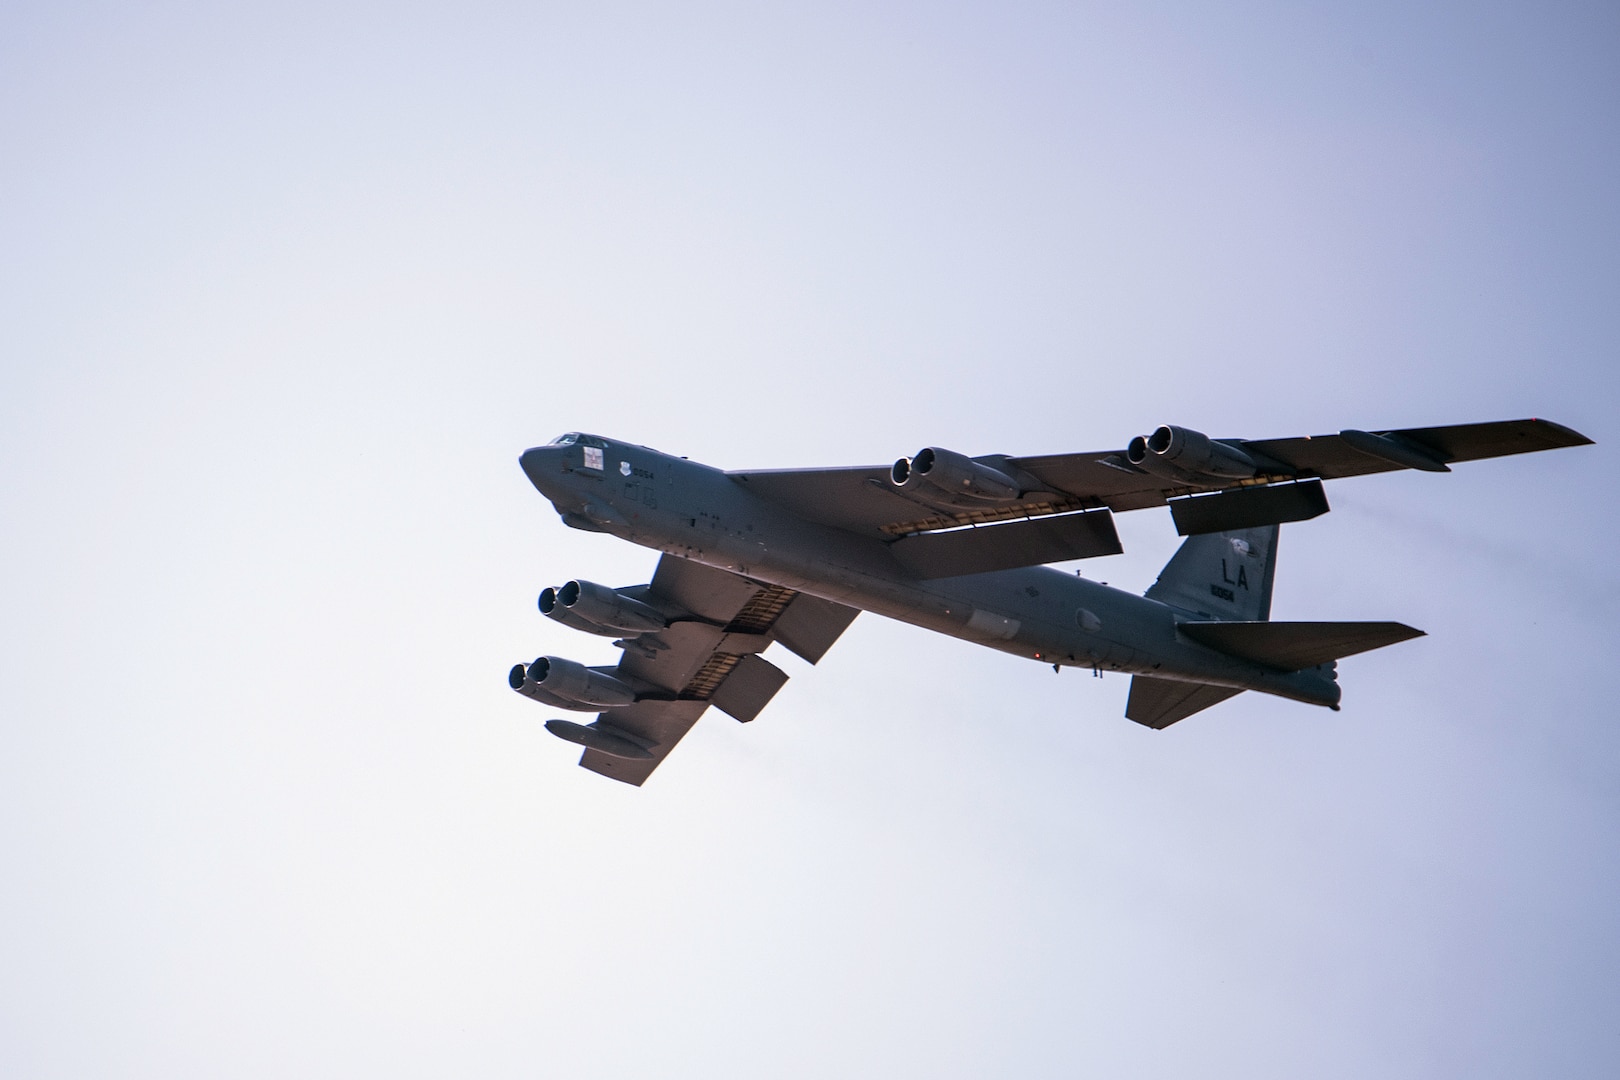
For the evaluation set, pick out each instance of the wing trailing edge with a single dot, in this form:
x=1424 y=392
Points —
x=983 y=549
x=1248 y=508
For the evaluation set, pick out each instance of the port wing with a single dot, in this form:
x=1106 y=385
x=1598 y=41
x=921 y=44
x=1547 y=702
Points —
x=708 y=655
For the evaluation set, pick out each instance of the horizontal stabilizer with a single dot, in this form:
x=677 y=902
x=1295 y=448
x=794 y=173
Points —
x=986 y=548
x=1158 y=703
x=1291 y=646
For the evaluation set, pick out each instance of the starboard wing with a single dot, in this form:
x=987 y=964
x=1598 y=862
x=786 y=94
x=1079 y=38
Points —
x=1357 y=453
x=1319 y=457
x=1286 y=486
x=708 y=655
x=860 y=499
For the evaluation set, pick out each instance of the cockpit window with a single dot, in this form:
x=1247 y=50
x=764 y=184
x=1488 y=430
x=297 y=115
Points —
x=574 y=437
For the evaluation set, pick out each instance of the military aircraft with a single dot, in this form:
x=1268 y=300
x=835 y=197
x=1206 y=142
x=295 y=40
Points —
x=957 y=545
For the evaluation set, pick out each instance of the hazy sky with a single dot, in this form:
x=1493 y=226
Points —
x=287 y=289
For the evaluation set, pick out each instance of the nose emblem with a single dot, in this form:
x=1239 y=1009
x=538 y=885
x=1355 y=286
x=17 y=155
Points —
x=624 y=468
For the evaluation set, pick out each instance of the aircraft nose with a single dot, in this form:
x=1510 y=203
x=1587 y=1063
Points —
x=541 y=464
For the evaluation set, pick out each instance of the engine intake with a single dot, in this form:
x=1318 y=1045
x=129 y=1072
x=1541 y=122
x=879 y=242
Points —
x=933 y=471
x=551 y=608
x=568 y=684
x=1179 y=453
x=597 y=609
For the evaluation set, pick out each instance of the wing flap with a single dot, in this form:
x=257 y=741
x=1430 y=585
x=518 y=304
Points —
x=1248 y=508
x=1033 y=542
x=809 y=625
x=1158 y=703
x=1292 y=646
x=749 y=688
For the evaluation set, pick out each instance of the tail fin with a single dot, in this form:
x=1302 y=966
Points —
x=1223 y=581
x=1222 y=576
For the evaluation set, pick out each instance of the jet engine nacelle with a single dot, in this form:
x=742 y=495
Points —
x=1180 y=453
x=597 y=609
x=953 y=474
x=551 y=608
x=568 y=684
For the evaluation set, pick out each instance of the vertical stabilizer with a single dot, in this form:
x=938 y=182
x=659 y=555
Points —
x=1224 y=575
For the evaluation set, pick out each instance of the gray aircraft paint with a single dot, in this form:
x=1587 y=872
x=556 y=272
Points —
x=755 y=557
x=696 y=512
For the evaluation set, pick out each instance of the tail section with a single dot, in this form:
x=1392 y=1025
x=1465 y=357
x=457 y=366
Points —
x=1293 y=646
x=1158 y=703
x=1217 y=577
x=1224 y=576
x=1223 y=581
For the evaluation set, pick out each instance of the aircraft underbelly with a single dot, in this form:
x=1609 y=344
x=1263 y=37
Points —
x=1034 y=612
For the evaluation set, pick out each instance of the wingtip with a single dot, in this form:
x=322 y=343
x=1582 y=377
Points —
x=1568 y=436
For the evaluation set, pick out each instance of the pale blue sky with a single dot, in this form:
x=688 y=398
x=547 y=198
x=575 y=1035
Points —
x=288 y=288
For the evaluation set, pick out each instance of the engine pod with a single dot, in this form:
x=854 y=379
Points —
x=569 y=684
x=934 y=472
x=1179 y=453
x=594 y=737
x=553 y=609
x=605 y=607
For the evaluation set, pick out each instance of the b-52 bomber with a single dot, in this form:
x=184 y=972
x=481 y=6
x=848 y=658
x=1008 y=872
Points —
x=957 y=545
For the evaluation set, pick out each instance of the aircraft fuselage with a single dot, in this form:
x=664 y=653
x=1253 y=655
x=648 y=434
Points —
x=692 y=511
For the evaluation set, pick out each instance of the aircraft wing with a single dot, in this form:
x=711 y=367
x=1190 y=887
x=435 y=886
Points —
x=709 y=655
x=1285 y=484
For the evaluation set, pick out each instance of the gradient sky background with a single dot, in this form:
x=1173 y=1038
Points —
x=288 y=287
